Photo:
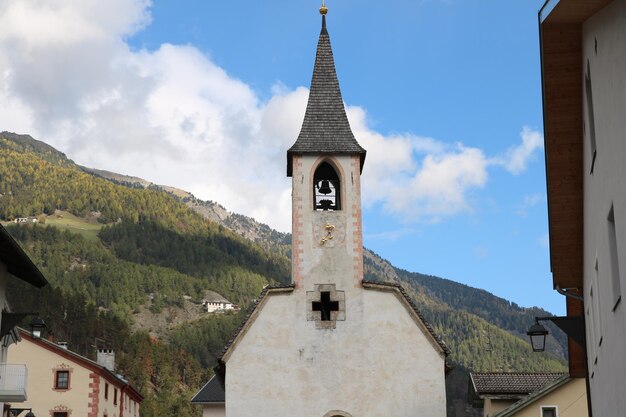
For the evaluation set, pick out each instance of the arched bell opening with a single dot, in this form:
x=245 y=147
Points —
x=326 y=188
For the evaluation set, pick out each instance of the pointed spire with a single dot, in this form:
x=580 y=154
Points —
x=325 y=129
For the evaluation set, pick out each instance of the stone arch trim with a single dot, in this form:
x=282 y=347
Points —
x=337 y=413
x=333 y=162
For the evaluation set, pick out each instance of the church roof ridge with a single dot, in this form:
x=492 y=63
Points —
x=411 y=303
x=325 y=128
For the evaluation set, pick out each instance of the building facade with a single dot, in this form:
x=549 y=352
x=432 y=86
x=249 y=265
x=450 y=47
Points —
x=65 y=384
x=331 y=344
x=564 y=397
x=497 y=391
x=583 y=50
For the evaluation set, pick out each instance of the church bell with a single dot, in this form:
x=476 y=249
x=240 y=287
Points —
x=324 y=188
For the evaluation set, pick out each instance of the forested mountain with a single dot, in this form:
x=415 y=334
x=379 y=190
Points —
x=112 y=246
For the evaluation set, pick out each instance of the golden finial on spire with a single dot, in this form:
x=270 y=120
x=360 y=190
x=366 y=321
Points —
x=323 y=9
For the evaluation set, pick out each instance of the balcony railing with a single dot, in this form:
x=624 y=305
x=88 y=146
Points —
x=13 y=382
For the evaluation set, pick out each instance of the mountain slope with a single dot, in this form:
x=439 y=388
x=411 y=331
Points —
x=158 y=245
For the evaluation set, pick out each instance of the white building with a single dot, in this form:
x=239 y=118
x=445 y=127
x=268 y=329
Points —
x=583 y=51
x=331 y=344
x=212 y=306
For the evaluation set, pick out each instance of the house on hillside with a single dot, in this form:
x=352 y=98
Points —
x=497 y=391
x=583 y=55
x=331 y=344
x=30 y=219
x=67 y=384
x=565 y=397
x=219 y=304
x=14 y=264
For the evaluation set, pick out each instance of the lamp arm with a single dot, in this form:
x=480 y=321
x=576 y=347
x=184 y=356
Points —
x=564 y=291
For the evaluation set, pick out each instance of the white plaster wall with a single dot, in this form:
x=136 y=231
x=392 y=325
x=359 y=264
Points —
x=376 y=363
x=606 y=185
x=333 y=262
x=213 y=410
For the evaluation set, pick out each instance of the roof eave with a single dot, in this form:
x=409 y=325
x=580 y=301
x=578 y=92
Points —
x=290 y=154
x=18 y=262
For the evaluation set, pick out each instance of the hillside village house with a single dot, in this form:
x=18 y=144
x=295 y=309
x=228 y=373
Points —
x=497 y=391
x=583 y=53
x=221 y=304
x=565 y=397
x=520 y=394
x=14 y=264
x=331 y=344
x=66 y=384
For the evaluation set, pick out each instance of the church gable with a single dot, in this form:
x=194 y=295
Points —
x=436 y=340
x=253 y=313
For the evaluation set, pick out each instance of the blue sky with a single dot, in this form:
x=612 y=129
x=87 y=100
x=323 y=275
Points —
x=207 y=96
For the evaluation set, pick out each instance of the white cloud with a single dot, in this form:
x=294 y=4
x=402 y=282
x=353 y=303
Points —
x=517 y=158
x=68 y=77
x=418 y=178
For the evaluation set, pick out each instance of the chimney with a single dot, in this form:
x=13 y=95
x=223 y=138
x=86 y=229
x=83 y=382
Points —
x=106 y=358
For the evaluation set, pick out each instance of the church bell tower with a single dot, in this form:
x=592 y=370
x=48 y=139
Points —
x=331 y=344
x=325 y=164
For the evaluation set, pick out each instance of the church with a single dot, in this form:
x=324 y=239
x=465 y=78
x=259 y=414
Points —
x=330 y=344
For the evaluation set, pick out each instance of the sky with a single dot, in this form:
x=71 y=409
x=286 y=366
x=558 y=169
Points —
x=207 y=96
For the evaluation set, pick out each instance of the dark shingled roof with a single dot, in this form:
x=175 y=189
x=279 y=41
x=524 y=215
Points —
x=211 y=392
x=17 y=262
x=325 y=129
x=511 y=383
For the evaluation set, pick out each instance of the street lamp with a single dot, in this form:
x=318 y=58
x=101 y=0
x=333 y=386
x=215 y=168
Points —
x=537 y=334
x=37 y=328
x=573 y=326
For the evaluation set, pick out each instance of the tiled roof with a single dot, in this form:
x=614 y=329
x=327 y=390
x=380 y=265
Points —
x=545 y=390
x=325 y=129
x=211 y=392
x=511 y=383
x=17 y=262
x=398 y=287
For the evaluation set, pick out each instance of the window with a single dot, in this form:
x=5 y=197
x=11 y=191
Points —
x=62 y=380
x=60 y=414
x=590 y=118
x=548 y=412
x=115 y=396
x=595 y=303
x=326 y=188
x=614 y=257
x=106 y=390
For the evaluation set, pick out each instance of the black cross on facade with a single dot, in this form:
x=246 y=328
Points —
x=325 y=306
